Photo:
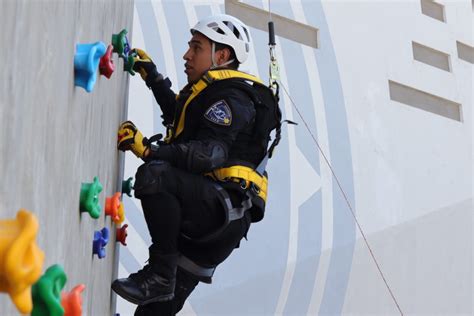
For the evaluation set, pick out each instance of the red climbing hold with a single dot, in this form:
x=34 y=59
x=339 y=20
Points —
x=106 y=65
x=121 y=234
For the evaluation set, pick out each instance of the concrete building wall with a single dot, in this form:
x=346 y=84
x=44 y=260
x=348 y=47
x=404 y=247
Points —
x=55 y=136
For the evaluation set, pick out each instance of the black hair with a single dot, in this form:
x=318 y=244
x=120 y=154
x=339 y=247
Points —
x=233 y=65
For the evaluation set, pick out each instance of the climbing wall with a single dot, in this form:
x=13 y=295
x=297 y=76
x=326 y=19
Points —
x=55 y=135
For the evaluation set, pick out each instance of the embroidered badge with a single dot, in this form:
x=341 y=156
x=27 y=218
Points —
x=219 y=113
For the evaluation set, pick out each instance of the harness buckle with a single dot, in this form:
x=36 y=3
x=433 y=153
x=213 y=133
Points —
x=255 y=188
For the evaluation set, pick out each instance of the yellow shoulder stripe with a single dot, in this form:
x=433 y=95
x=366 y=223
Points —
x=229 y=73
x=220 y=74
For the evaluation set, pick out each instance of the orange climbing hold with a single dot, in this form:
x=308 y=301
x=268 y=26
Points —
x=21 y=260
x=72 y=301
x=112 y=205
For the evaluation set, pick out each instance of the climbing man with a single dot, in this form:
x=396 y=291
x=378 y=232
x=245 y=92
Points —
x=205 y=183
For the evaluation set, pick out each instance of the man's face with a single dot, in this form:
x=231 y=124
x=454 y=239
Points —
x=198 y=57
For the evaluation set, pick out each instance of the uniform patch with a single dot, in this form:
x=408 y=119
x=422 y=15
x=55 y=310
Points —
x=219 y=113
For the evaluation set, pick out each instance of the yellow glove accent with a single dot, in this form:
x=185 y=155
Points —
x=142 y=54
x=130 y=138
x=143 y=63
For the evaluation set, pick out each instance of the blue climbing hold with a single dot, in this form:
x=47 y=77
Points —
x=101 y=238
x=86 y=63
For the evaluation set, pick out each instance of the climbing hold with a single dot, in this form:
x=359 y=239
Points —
x=72 y=301
x=89 y=200
x=86 y=62
x=121 y=235
x=128 y=63
x=21 y=260
x=47 y=292
x=112 y=205
x=106 y=65
x=101 y=238
x=127 y=186
x=120 y=43
x=121 y=215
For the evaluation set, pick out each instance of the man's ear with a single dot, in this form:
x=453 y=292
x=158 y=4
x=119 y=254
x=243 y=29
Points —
x=223 y=55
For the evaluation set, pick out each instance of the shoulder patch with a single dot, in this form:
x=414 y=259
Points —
x=219 y=113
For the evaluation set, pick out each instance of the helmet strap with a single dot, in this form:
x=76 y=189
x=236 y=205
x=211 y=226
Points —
x=214 y=64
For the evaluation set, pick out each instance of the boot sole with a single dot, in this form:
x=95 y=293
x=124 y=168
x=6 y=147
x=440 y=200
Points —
x=124 y=295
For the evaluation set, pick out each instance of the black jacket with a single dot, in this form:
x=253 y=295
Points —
x=218 y=128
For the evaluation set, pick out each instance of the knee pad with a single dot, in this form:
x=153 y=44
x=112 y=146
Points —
x=149 y=178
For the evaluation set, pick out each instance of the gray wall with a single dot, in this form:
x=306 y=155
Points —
x=55 y=135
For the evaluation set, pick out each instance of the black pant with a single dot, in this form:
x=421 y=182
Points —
x=176 y=202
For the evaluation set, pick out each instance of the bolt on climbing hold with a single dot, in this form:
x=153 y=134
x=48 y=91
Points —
x=121 y=214
x=89 y=200
x=106 y=65
x=128 y=63
x=86 y=62
x=120 y=43
x=112 y=205
x=46 y=292
x=21 y=260
x=72 y=301
x=101 y=238
x=127 y=186
x=121 y=235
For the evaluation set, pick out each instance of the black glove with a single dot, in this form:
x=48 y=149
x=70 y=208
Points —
x=145 y=66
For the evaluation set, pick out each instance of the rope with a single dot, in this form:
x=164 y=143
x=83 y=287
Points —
x=337 y=181
x=269 y=11
x=346 y=199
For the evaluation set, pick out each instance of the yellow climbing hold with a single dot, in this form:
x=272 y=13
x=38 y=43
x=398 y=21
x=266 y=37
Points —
x=21 y=260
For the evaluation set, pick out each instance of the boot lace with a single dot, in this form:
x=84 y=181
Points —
x=142 y=274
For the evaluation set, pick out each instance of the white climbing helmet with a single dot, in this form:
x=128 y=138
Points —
x=228 y=30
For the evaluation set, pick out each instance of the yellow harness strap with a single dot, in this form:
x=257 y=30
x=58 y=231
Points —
x=210 y=76
x=238 y=173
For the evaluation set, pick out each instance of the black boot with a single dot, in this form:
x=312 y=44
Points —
x=154 y=283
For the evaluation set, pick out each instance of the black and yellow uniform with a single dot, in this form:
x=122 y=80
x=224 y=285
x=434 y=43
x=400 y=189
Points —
x=203 y=170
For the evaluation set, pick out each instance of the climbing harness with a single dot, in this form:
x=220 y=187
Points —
x=203 y=274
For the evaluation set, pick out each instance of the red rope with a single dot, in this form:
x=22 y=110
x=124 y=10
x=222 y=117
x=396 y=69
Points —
x=347 y=202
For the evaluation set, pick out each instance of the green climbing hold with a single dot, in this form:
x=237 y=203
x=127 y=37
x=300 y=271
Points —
x=128 y=64
x=120 y=43
x=46 y=292
x=89 y=200
x=127 y=186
